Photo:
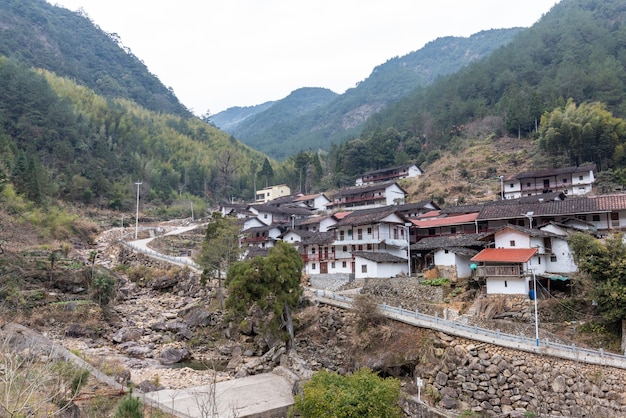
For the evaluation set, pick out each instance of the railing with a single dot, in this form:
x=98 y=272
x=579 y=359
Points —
x=178 y=260
x=318 y=257
x=523 y=343
x=498 y=271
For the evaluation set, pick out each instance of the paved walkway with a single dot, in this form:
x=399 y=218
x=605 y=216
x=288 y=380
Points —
x=263 y=395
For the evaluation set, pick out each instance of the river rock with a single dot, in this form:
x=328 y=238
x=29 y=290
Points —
x=171 y=355
x=126 y=334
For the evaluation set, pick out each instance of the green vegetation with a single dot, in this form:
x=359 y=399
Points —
x=219 y=250
x=605 y=263
x=362 y=394
x=270 y=283
x=440 y=281
x=129 y=407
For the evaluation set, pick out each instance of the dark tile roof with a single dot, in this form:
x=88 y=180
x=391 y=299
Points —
x=380 y=257
x=462 y=209
x=319 y=238
x=349 y=191
x=569 y=206
x=384 y=170
x=555 y=171
x=419 y=205
x=283 y=210
x=544 y=197
x=264 y=228
x=367 y=216
x=449 y=241
x=257 y=252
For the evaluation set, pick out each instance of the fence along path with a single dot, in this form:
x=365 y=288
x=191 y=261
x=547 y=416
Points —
x=522 y=343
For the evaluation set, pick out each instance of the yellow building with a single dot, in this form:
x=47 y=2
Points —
x=273 y=192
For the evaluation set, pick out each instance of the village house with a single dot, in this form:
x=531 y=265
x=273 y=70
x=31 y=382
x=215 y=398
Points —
x=271 y=193
x=364 y=243
x=364 y=197
x=448 y=255
x=389 y=174
x=572 y=181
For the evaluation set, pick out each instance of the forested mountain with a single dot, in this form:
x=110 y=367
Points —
x=69 y=44
x=576 y=51
x=277 y=119
x=82 y=120
x=281 y=134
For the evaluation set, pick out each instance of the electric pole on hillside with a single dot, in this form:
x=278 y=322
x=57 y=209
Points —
x=137 y=213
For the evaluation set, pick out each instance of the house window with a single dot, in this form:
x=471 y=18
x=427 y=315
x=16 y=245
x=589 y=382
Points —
x=359 y=233
x=553 y=258
x=564 y=180
x=506 y=284
x=596 y=218
x=369 y=231
x=332 y=265
x=527 y=184
x=453 y=230
x=360 y=248
x=344 y=248
x=341 y=236
x=512 y=243
x=313 y=250
x=511 y=185
x=344 y=264
x=580 y=178
x=369 y=247
x=265 y=215
x=431 y=231
x=313 y=266
x=364 y=268
x=446 y=251
x=538 y=260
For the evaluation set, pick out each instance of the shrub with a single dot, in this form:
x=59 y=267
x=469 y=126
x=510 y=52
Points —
x=362 y=394
x=129 y=407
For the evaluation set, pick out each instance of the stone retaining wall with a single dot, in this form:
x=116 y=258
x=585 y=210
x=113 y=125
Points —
x=405 y=292
x=496 y=381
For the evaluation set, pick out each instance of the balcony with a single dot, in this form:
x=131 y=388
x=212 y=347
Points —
x=499 y=271
x=318 y=257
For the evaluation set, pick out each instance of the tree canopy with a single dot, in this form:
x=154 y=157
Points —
x=271 y=283
x=588 y=132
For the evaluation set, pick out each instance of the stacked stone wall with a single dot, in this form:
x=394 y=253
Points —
x=469 y=376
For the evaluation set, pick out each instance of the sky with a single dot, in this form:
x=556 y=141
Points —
x=216 y=54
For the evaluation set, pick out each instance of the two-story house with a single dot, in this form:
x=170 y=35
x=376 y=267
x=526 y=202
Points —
x=520 y=254
x=366 y=243
x=573 y=181
x=389 y=174
x=370 y=196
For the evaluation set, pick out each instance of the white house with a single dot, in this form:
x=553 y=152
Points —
x=450 y=254
x=574 y=181
x=505 y=270
x=389 y=174
x=369 y=196
x=379 y=265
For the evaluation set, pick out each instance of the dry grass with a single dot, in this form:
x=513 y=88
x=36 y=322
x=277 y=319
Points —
x=470 y=173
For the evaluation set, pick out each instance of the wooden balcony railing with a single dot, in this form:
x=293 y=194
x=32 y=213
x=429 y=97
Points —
x=498 y=271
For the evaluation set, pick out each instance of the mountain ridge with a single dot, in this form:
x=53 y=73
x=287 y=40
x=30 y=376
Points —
x=342 y=117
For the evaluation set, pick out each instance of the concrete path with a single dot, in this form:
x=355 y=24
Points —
x=264 y=395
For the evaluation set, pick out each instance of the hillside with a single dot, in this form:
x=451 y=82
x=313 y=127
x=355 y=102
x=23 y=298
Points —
x=40 y=35
x=574 y=52
x=280 y=132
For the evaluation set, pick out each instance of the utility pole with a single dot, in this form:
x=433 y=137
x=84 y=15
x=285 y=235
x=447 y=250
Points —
x=137 y=213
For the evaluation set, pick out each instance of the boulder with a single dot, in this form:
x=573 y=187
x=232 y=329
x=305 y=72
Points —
x=172 y=355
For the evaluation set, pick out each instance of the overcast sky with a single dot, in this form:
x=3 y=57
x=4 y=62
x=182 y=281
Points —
x=216 y=54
